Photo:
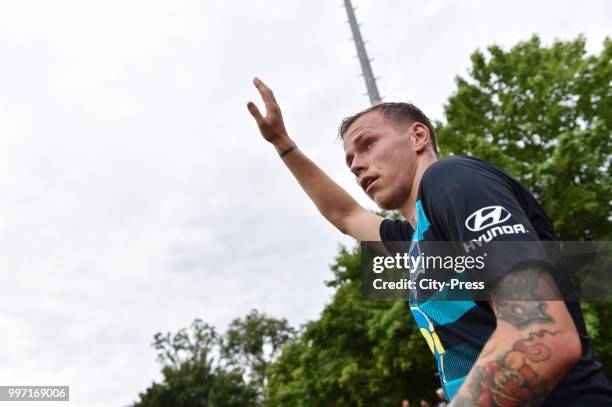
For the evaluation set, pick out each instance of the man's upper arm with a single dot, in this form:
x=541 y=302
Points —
x=363 y=225
x=528 y=296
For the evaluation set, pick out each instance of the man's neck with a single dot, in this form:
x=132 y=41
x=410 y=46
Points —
x=408 y=210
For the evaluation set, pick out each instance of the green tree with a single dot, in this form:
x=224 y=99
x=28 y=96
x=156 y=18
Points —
x=193 y=378
x=253 y=343
x=544 y=114
x=359 y=353
x=190 y=377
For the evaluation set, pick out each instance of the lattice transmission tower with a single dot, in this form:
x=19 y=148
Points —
x=364 y=61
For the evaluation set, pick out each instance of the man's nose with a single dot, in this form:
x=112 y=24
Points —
x=358 y=166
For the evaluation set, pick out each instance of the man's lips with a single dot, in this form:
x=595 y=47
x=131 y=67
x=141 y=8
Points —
x=367 y=182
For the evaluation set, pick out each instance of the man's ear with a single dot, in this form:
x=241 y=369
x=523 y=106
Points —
x=421 y=136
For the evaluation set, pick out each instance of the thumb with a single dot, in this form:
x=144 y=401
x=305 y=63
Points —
x=255 y=113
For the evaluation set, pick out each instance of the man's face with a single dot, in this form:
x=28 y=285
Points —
x=381 y=155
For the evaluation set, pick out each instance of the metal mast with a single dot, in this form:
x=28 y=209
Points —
x=366 y=69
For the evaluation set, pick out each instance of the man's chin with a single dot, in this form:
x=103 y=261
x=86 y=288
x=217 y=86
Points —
x=386 y=203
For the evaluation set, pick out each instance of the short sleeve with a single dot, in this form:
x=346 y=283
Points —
x=393 y=232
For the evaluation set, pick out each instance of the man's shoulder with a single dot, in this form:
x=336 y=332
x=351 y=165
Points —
x=462 y=184
x=456 y=166
x=456 y=171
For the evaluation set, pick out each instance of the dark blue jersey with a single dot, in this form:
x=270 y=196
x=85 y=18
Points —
x=464 y=199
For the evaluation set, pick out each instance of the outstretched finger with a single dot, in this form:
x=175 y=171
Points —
x=255 y=113
x=266 y=94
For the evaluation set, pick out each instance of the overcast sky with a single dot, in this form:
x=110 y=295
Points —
x=135 y=191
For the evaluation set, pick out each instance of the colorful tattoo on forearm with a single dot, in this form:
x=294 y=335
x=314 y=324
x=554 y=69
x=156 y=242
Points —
x=510 y=380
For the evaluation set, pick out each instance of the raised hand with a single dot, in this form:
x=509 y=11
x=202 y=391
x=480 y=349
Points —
x=271 y=126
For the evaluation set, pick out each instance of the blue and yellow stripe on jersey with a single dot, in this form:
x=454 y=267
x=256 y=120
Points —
x=436 y=319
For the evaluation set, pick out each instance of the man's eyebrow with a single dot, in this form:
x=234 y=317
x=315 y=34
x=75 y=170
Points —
x=358 y=138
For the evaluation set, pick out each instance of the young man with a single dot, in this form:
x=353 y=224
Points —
x=498 y=352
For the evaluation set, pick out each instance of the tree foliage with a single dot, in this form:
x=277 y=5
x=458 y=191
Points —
x=193 y=378
x=253 y=343
x=544 y=115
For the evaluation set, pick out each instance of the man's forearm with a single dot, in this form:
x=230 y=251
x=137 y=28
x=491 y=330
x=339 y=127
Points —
x=533 y=346
x=517 y=370
x=332 y=201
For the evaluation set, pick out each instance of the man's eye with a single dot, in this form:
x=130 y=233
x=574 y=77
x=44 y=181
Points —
x=371 y=143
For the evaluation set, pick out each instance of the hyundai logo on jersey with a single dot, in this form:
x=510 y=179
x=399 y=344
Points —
x=486 y=217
